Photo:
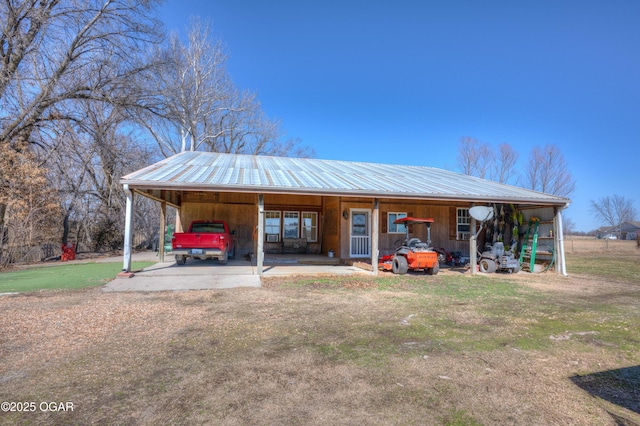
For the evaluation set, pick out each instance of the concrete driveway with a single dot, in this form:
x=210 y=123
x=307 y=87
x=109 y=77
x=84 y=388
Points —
x=209 y=274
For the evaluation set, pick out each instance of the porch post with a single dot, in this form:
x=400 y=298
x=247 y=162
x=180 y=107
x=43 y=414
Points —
x=375 y=236
x=179 y=221
x=561 y=266
x=473 y=246
x=163 y=229
x=260 y=249
x=128 y=234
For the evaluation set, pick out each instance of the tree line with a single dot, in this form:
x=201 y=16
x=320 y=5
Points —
x=545 y=170
x=84 y=85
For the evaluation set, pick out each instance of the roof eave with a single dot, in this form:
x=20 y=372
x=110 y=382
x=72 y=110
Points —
x=338 y=192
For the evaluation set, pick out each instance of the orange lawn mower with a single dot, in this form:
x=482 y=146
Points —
x=413 y=254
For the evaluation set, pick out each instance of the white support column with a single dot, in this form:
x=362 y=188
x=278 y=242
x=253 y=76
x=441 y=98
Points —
x=375 y=235
x=128 y=229
x=163 y=230
x=473 y=246
x=260 y=249
x=561 y=265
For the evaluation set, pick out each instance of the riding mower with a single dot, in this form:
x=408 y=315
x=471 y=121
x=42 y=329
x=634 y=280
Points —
x=413 y=254
x=494 y=257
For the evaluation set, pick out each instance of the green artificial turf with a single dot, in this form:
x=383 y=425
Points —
x=68 y=276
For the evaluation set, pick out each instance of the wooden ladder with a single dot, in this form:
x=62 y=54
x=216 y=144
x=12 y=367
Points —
x=528 y=252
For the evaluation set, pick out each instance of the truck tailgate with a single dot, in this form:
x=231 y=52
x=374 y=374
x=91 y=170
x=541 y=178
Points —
x=196 y=240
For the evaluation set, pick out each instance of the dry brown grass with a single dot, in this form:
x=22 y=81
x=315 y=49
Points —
x=583 y=245
x=449 y=349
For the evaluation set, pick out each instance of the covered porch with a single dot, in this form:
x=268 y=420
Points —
x=279 y=206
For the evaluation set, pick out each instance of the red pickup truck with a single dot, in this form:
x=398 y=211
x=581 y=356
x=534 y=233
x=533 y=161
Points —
x=205 y=239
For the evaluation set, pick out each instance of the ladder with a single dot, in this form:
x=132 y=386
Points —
x=528 y=252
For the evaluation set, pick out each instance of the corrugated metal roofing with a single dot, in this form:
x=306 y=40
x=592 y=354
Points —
x=205 y=171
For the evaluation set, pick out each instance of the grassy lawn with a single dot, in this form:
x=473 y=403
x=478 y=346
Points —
x=451 y=349
x=623 y=267
x=64 y=276
x=616 y=260
x=484 y=313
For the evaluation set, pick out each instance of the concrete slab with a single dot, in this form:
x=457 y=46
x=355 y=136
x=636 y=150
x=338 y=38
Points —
x=211 y=275
x=195 y=275
x=303 y=269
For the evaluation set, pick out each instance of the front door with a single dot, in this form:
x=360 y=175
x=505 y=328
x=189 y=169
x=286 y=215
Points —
x=360 y=233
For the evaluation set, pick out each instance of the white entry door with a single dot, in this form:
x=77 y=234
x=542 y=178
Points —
x=360 y=233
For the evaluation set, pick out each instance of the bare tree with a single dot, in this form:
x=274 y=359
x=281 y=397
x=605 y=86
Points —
x=54 y=51
x=479 y=159
x=548 y=172
x=614 y=210
x=474 y=158
x=52 y=54
x=200 y=107
x=568 y=226
x=87 y=165
x=504 y=166
x=193 y=85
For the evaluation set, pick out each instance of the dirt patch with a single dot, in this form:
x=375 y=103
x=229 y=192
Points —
x=504 y=349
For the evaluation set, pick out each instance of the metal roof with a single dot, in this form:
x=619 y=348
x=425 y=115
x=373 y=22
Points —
x=206 y=171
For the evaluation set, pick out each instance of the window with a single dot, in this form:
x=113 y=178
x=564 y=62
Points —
x=291 y=225
x=393 y=228
x=310 y=226
x=272 y=225
x=359 y=224
x=463 y=225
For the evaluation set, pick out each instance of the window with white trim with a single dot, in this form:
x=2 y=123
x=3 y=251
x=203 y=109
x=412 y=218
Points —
x=281 y=224
x=272 y=226
x=463 y=224
x=310 y=226
x=291 y=225
x=393 y=228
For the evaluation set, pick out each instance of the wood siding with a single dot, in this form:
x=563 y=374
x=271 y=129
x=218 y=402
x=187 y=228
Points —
x=240 y=211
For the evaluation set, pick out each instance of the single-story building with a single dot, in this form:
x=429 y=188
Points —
x=343 y=207
x=629 y=230
x=624 y=231
x=606 y=232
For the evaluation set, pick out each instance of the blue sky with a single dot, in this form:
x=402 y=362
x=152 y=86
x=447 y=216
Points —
x=402 y=82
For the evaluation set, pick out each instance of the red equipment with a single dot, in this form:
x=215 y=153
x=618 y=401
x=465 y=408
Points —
x=413 y=254
x=68 y=252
